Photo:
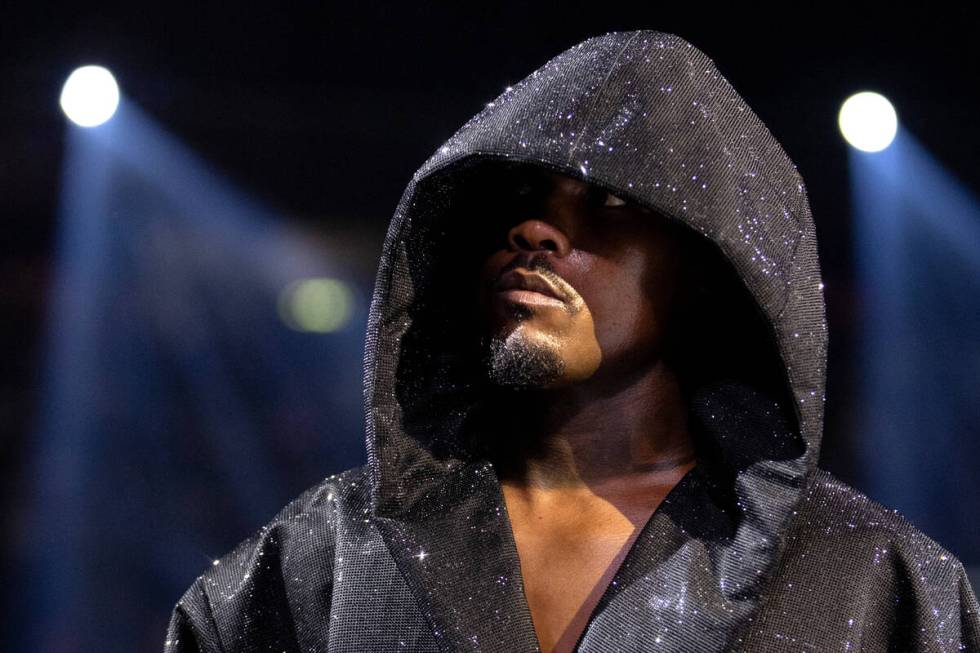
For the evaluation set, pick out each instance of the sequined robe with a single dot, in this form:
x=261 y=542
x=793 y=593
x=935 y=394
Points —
x=755 y=549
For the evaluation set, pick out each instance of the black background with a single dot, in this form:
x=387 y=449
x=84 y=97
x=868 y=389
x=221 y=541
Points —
x=324 y=110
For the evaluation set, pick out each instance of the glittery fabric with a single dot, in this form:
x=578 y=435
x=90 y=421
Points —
x=755 y=549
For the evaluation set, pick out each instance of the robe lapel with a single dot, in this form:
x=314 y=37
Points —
x=459 y=558
x=663 y=596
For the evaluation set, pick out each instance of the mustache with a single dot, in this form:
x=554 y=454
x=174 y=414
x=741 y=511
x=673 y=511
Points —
x=534 y=263
x=541 y=264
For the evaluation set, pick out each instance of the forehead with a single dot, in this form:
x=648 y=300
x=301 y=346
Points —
x=561 y=184
x=553 y=181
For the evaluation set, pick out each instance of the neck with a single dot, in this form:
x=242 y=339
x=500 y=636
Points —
x=592 y=437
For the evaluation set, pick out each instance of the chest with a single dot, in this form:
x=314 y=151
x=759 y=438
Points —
x=566 y=571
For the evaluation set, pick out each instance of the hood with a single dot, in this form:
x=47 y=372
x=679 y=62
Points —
x=648 y=116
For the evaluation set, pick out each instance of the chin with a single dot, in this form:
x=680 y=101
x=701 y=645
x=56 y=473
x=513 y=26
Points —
x=516 y=360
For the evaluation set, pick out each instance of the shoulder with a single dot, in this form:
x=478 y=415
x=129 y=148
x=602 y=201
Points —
x=832 y=510
x=297 y=543
x=854 y=538
x=853 y=569
x=309 y=521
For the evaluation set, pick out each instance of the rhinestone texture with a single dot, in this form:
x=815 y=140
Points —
x=757 y=549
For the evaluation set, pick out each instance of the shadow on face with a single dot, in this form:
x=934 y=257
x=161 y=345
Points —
x=465 y=234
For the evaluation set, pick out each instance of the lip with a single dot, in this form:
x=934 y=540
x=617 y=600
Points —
x=530 y=297
x=524 y=286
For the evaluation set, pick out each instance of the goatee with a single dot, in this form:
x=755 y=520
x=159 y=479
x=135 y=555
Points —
x=519 y=362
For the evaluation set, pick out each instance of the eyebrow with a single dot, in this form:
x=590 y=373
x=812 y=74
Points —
x=548 y=180
x=575 y=186
x=555 y=179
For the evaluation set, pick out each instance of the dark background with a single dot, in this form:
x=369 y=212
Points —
x=323 y=111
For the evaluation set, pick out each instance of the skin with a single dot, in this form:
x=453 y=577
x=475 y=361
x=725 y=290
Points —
x=586 y=455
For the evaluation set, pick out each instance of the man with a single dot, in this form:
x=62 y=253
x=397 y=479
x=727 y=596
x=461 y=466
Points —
x=578 y=307
x=594 y=384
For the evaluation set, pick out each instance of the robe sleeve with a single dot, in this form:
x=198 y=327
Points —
x=969 y=615
x=192 y=628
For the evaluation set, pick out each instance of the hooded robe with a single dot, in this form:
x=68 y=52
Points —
x=754 y=549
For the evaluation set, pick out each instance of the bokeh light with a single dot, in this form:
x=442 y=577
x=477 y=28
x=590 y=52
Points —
x=319 y=305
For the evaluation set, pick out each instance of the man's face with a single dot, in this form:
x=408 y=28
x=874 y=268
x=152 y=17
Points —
x=613 y=266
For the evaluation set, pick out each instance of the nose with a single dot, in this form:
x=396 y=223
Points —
x=533 y=235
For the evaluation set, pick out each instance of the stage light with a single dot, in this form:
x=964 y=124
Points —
x=316 y=305
x=868 y=121
x=90 y=96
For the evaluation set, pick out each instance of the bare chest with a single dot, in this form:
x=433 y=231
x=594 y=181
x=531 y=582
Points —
x=566 y=571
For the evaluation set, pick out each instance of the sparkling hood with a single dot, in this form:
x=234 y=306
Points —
x=755 y=549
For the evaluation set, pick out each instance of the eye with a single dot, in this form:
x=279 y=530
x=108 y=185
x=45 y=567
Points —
x=524 y=189
x=603 y=198
x=613 y=200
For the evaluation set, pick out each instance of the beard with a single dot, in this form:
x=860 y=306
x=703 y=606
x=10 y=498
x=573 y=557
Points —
x=519 y=362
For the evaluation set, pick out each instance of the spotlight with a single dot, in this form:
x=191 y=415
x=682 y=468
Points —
x=90 y=96
x=868 y=122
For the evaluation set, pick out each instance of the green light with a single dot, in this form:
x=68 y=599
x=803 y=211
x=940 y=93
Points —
x=316 y=305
